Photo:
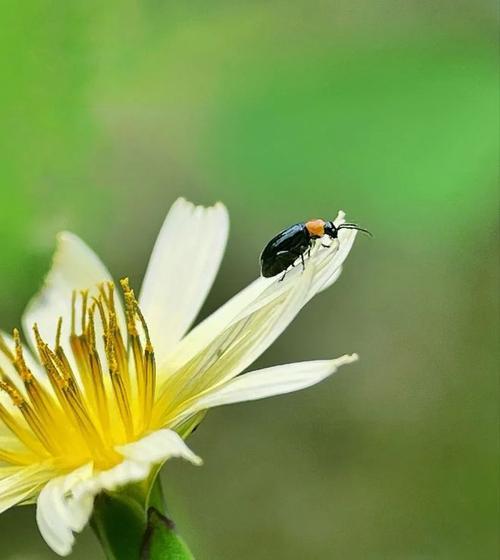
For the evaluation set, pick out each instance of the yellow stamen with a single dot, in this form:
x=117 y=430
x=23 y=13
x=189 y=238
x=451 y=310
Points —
x=85 y=299
x=19 y=431
x=41 y=401
x=91 y=403
x=73 y=312
x=150 y=384
x=69 y=396
x=29 y=414
x=106 y=300
x=149 y=369
x=58 y=333
x=144 y=361
x=97 y=377
x=119 y=389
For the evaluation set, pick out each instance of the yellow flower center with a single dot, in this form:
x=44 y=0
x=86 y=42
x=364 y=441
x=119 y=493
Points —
x=99 y=396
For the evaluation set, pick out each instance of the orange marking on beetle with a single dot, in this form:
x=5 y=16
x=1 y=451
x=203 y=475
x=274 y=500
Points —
x=316 y=228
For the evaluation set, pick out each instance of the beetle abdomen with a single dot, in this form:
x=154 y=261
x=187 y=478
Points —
x=280 y=263
x=284 y=249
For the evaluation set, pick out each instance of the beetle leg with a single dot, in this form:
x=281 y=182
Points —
x=303 y=263
x=309 y=247
x=283 y=277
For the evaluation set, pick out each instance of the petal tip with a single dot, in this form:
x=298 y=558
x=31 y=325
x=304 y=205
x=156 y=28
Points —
x=219 y=205
x=222 y=214
x=348 y=359
x=64 y=234
x=63 y=237
x=196 y=460
x=344 y=360
x=181 y=204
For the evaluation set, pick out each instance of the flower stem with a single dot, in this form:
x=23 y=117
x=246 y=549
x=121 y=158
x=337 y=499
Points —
x=119 y=524
x=132 y=525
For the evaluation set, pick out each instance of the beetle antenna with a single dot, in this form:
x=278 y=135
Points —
x=356 y=227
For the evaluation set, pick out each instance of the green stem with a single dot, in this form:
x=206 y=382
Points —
x=119 y=523
x=132 y=525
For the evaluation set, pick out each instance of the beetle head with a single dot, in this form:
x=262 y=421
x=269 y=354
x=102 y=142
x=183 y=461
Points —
x=332 y=230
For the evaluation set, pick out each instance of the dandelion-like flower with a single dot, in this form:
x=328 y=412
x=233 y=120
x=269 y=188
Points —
x=113 y=384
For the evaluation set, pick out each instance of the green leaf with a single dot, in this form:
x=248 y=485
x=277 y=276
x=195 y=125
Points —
x=161 y=542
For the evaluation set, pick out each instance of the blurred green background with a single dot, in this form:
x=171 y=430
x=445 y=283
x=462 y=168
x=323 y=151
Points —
x=285 y=111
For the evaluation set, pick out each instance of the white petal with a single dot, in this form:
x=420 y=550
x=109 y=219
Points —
x=231 y=339
x=327 y=268
x=182 y=268
x=140 y=457
x=75 y=267
x=122 y=474
x=236 y=347
x=331 y=273
x=271 y=381
x=19 y=483
x=158 y=447
x=59 y=513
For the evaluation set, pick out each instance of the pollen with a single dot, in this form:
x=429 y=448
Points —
x=95 y=390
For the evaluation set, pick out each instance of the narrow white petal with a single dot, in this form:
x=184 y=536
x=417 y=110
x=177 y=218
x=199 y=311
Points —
x=75 y=267
x=59 y=513
x=158 y=447
x=182 y=268
x=122 y=474
x=269 y=382
x=140 y=456
x=237 y=346
x=326 y=264
x=19 y=483
x=331 y=272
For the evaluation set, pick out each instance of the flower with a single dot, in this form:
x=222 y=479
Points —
x=114 y=385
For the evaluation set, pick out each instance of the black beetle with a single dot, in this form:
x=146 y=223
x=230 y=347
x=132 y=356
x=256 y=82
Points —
x=294 y=241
